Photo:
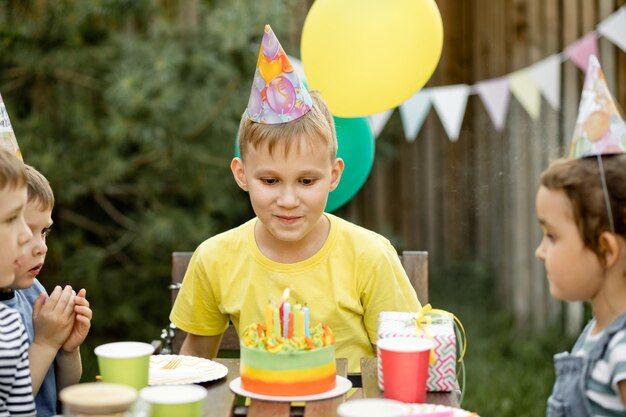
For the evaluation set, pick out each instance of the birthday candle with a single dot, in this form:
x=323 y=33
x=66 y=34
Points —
x=286 y=311
x=296 y=317
x=290 y=327
x=301 y=324
x=281 y=312
x=305 y=310
x=269 y=319
x=276 y=322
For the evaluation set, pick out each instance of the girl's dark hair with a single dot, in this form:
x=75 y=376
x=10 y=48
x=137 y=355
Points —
x=580 y=180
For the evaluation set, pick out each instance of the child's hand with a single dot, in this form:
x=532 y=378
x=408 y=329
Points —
x=82 y=322
x=53 y=318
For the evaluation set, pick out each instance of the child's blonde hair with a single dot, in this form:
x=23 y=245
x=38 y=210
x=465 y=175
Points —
x=315 y=129
x=39 y=190
x=12 y=171
x=580 y=180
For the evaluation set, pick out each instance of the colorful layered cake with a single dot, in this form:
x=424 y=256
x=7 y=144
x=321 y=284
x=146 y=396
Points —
x=303 y=363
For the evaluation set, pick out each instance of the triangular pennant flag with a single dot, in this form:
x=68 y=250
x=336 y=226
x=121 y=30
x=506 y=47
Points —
x=526 y=92
x=600 y=128
x=580 y=50
x=277 y=95
x=378 y=121
x=7 y=136
x=495 y=96
x=413 y=112
x=614 y=28
x=547 y=76
x=450 y=102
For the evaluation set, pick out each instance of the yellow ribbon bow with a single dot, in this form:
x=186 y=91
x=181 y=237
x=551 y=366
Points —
x=423 y=319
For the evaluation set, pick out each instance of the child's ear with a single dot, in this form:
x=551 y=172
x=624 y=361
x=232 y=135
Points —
x=611 y=248
x=236 y=166
x=335 y=175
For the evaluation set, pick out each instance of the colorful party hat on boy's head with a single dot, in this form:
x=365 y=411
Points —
x=278 y=95
x=600 y=128
x=7 y=137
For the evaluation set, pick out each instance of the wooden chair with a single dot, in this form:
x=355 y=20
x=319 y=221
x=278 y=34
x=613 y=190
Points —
x=415 y=264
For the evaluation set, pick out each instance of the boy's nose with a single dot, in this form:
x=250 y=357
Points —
x=40 y=248
x=288 y=198
x=25 y=234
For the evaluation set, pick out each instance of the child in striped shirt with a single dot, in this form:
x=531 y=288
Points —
x=584 y=252
x=16 y=395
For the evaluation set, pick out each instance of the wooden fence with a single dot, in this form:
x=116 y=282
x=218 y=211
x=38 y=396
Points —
x=474 y=199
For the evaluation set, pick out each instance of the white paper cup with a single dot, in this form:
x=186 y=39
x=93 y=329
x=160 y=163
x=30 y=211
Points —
x=373 y=407
x=125 y=363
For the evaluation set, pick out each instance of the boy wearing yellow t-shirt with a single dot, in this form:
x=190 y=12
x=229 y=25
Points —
x=346 y=274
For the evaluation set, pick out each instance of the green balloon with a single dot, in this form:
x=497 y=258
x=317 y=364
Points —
x=355 y=145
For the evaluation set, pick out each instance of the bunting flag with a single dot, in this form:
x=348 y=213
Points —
x=450 y=102
x=526 y=92
x=379 y=120
x=495 y=95
x=614 y=28
x=528 y=85
x=413 y=113
x=547 y=76
x=580 y=51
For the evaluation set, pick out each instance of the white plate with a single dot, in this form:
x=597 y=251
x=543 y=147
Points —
x=343 y=385
x=433 y=408
x=190 y=370
x=373 y=407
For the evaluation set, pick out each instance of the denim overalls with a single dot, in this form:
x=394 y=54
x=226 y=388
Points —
x=568 y=398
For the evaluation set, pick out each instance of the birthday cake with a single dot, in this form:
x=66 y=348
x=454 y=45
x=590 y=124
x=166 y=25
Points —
x=303 y=363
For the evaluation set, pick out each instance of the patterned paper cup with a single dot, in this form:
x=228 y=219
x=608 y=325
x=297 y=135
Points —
x=125 y=363
x=405 y=367
x=173 y=400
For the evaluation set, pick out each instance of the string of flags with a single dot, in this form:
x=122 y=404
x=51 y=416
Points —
x=527 y=85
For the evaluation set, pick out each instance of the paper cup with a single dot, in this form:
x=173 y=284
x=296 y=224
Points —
x=97 y=398
x=373 y=407
x=405 y=362
x=125 y=363
x=173 y=400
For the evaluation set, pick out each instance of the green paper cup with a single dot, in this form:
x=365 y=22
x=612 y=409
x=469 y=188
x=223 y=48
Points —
x=173 y=400
x=125 y=363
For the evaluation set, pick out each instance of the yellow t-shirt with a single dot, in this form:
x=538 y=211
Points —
x=346 y=284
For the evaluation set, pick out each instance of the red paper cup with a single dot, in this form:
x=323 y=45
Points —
x=405 y=362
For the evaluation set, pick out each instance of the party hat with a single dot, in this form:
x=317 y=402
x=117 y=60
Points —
x=600 y=128
x=278 y=95
x=7 y=137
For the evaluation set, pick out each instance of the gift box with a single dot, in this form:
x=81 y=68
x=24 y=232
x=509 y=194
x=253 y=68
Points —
x=439 y=328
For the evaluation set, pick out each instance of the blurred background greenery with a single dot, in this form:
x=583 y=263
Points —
x=132 y=116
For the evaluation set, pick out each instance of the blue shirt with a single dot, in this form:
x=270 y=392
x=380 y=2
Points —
x=46 y=399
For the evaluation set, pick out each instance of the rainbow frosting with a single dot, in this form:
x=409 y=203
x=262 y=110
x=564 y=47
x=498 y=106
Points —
x=296 y=366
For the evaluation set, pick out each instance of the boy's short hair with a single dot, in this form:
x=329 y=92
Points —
x=581 y=182
x=12 y=171
x=39 y=190
x=315 y=128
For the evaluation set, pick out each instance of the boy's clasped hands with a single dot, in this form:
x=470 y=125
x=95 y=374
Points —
x=62 y=320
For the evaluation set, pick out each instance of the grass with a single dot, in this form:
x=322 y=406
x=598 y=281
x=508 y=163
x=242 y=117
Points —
x=509 y=374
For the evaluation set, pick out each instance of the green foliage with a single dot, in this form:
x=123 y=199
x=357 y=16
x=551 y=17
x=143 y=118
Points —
x=131 y=113
x=509 y=372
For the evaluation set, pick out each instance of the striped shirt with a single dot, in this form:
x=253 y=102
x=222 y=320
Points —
x=16 y=391
x=602 y=386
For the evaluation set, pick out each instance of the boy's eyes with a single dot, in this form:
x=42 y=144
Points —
x=45 y=232
x=303 y=181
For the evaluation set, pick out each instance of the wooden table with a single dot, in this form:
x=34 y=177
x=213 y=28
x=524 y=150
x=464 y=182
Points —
x=222 y=402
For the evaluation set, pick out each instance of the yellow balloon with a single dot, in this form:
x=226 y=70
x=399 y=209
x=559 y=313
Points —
x=368 y=56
